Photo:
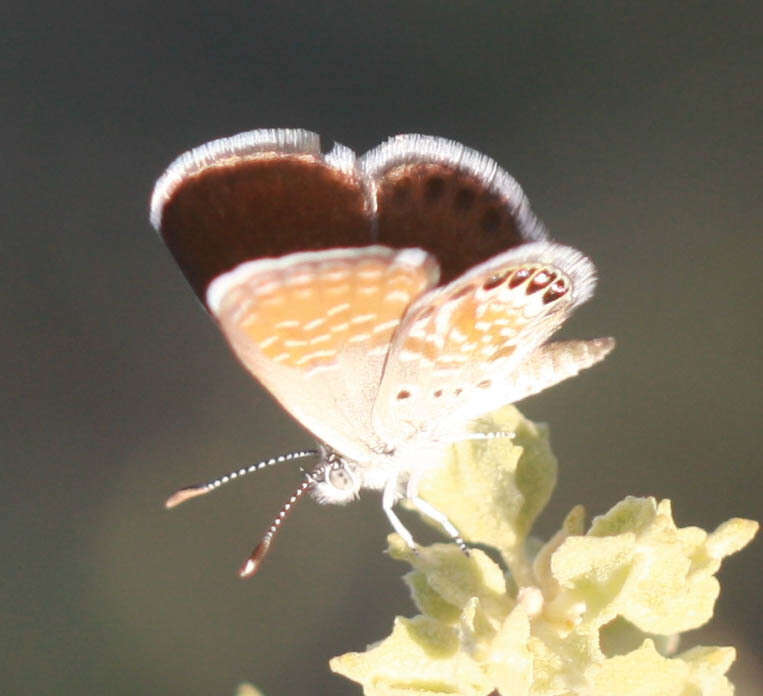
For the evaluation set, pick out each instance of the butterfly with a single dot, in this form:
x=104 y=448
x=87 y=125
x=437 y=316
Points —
x=386 y=301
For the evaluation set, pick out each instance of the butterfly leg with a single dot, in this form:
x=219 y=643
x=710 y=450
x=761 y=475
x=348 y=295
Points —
x=389 y=497
x=412 y=493
x=434 y=514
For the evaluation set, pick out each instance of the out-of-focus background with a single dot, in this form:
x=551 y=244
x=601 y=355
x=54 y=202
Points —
x=635 y=130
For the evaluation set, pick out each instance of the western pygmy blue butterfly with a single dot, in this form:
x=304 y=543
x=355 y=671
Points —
x=386 y=301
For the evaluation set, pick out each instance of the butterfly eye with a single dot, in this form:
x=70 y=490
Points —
x=340 y=478
x=336 y=483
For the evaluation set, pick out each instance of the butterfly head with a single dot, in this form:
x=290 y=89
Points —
x=336 y=479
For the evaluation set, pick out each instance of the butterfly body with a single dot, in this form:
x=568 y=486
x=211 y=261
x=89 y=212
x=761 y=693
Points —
x=386 y=302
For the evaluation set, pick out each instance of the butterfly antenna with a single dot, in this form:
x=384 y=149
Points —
x=252 y=564
x=194 y=491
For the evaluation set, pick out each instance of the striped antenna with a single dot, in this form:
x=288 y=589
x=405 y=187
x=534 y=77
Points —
x=194 y=491
x=252 y=564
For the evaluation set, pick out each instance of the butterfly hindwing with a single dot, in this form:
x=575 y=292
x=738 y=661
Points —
x=458 y=352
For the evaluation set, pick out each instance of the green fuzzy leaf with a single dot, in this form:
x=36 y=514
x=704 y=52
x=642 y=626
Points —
x=492 y=490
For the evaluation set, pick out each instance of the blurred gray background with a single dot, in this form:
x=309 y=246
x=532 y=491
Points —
x=635 y=130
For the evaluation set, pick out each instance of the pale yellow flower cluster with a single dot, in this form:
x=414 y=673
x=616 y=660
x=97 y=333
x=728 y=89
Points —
x=594 y=612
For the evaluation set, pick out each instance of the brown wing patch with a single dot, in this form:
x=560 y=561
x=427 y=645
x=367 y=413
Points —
x=447 y=211
x=267 y=206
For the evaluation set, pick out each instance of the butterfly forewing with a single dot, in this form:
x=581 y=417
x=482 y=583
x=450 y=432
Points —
x=315 y=329
x=266 y=193
x=455 y=355
x=448 y=199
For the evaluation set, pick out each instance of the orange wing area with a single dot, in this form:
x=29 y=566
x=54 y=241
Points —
x=315 y=329
x=304 y=314
x=454 y=357
x=486 y=320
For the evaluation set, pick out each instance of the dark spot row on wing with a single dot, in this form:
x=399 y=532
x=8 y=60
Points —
x=448 y=212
